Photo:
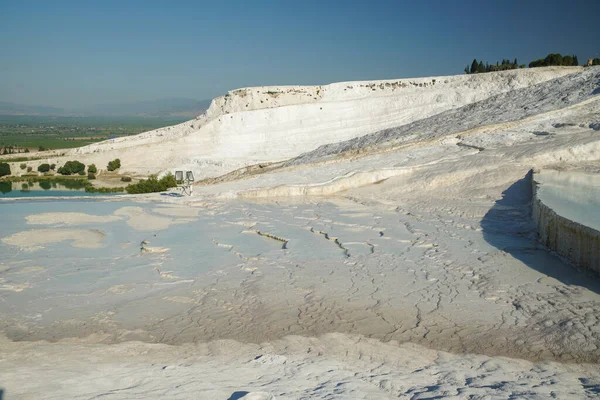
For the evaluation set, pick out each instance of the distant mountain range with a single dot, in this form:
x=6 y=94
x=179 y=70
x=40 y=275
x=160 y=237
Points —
x=7 y=108
x=172 y=107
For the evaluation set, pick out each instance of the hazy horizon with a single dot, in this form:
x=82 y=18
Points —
x=68 y=54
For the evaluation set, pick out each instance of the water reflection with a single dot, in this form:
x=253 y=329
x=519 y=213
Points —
x=44 y=188
x=5 y=187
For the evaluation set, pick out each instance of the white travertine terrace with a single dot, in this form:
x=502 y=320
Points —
x=566 y=209
x=267 y=124
x=392 y=254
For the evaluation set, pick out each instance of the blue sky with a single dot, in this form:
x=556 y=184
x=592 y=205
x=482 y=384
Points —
x=77 y=53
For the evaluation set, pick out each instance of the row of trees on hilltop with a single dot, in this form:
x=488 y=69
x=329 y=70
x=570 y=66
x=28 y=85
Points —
x=555 y=59
x=479 y=67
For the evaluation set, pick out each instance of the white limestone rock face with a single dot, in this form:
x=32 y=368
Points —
x=268 y=124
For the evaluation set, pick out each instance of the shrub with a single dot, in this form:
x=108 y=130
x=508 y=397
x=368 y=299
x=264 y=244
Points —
x=91 y=176
x=152 y=185
x=41 y=148
x=29 y=169
x=93 y=189
x=125 y=179
x=52 y=167
x=44 y=168
x=4 y=169
x=23 y=166
x=71 y=168
x=114 y=165
x=92 y=169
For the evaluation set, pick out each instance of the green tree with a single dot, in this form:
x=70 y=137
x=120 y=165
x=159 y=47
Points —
x=92 y=169
x=474 y=66
x=44 y=168
x=536 y=63
x=567 y=61
x=575 y=61
x=467 y=69
x=114 y=165
x=4 y=169
x=71 y=168
x=23 y=166
x=480 y=67
x=553 y=59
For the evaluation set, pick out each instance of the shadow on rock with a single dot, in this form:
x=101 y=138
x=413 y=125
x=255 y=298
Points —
x=509 y=226
x=172 y=194
x=237 y=395
x=251 y=396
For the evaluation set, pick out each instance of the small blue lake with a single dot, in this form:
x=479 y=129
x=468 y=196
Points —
x=44 y=189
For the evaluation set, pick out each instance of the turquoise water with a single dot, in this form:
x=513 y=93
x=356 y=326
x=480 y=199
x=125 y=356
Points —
x=57 y=193
x=44 y=189
x=573 y=195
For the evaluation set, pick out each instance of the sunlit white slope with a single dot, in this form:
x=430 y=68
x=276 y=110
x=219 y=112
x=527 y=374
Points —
x=266 y=124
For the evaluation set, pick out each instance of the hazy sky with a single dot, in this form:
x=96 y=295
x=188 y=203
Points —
x=71 y=53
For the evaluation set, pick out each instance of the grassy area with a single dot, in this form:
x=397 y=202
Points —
x=33 y=132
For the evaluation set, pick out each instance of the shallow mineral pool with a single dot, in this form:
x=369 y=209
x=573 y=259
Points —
x=572 y=195
x=77 y=258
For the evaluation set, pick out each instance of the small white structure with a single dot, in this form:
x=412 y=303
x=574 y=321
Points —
x=185 y=182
